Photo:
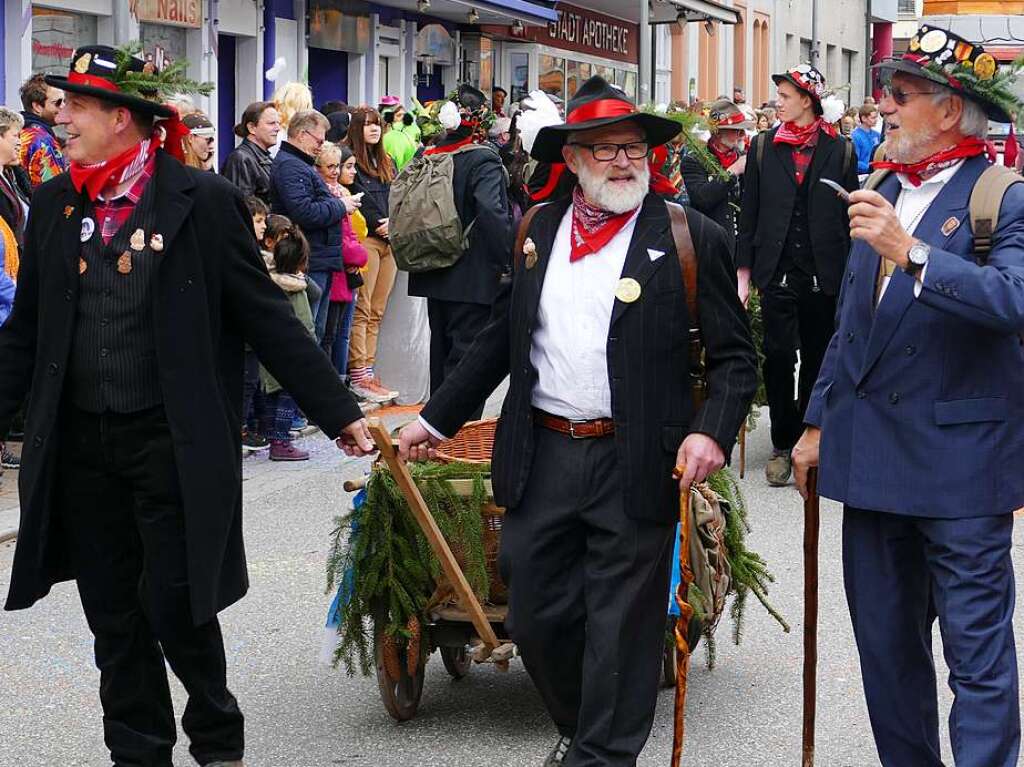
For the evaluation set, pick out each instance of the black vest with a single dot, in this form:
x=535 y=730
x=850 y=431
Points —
x=113 y=354
x=796 y=251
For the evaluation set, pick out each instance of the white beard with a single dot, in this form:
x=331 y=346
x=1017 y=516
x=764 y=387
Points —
x=627 y=197
x=907 y=148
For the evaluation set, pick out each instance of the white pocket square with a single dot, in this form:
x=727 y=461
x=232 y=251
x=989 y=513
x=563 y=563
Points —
x=655 y=254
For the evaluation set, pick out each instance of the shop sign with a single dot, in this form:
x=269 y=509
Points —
x=590 y=32
x=175 y=13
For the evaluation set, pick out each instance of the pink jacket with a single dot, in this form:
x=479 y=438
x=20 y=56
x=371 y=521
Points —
x=353 y=254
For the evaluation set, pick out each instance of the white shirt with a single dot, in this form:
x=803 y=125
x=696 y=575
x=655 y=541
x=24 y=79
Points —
x=570 y=337
x=912 y=205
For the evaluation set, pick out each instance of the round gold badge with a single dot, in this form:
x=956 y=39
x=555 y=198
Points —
x=985 y=66
x=628 y=290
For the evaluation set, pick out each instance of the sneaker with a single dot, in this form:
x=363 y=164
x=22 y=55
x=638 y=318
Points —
x=559 y=752
x=779 y=468
x=8 y=460
x=355 y=395
x=392 y=394
x=282 y=450
x=253 y=442
x=364 y=388
x=299 y=423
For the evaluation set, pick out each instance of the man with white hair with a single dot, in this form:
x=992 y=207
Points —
x=593 y=327
x=917 y=417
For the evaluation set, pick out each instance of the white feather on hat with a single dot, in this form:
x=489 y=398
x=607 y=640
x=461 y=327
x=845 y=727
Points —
x=449 y=116
x=539 y=111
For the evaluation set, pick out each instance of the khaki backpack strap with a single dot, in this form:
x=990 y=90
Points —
x=875 y=179
x=687 y=258
x=524 y=230
x=986 y=199
x=847 y=154
x=879 y=154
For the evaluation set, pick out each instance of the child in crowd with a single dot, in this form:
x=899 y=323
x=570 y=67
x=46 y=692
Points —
x=289 y=261
x=252 y=397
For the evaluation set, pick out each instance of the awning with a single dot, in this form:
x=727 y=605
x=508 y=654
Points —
x=671 y=11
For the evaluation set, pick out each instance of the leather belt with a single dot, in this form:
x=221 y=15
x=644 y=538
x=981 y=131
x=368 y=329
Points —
x=601 y=427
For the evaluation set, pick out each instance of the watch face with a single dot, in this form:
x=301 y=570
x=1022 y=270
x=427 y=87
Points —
x=919 y=254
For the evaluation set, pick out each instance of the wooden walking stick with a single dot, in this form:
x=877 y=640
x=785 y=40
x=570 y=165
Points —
x=743 y=450
x=812 y=527
x=682 y=630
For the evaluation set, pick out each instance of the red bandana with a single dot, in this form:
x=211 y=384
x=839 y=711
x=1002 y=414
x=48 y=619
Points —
x=791 y=133
x=660 y=183
x=592 y=227
x=916 y=172
x=95 y=179
x=724 y=156
x=449 y=147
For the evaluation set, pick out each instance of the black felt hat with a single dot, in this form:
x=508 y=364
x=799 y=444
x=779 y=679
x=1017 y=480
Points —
x=597 y=104
x=807 y=79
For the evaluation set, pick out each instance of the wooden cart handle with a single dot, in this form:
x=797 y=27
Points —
x=435 y=538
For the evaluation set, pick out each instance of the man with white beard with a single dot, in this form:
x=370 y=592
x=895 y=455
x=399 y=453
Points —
x=593 y=327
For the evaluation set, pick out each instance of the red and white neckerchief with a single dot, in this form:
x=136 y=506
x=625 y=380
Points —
x=592 y=227
x=726 y=157
x=795 y=135
x=112 y=173
x=916 y=172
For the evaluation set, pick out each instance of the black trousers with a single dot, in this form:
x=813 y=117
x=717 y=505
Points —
x=123 y=520
x=796 y=314
x=453 y=328
x=588 y=599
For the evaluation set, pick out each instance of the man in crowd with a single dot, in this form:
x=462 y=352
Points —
x=298 y=191
x=459 y=297
x=793 y=240
x=498 y=98
x=738 y=97
x=918 y=416
x=865 y=138
x=593 y=329
x=41 y=155
x=248 y=166
x=716 y=197
x=137 y=279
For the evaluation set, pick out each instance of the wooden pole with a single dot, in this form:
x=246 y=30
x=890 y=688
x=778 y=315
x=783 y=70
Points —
x=812 y=527
x=435 y=538
x=682 y=630
x=743 y=449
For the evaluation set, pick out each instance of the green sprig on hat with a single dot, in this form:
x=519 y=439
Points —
x=150 y=84
x=986 y=79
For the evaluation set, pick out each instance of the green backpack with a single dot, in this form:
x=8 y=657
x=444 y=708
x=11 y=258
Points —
x=424 y=226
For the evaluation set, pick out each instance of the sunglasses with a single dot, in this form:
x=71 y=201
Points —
x=901 y=96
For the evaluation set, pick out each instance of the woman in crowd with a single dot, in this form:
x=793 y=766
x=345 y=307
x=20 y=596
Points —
x=198 y=145
x=15 y=190
x=763 y=123
x=374 y=174
x=290 y=98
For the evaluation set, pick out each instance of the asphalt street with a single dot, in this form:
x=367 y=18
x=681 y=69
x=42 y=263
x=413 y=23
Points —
x=745 y=712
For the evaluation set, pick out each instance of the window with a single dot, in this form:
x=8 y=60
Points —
x=907 y=8
x=626 y=81
x=577 y=73
x=608 y=73
x=552 y=75
x=56 y=35
x=520 y=65
x=805 y=51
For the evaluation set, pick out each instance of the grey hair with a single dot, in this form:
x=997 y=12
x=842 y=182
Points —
x=10 y=119
x=973 y=121
x=303 y=121
x=327 y=151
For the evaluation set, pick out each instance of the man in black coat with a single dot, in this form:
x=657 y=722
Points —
x=794 y=237
x=139 y=278
x=593 y=329
x=459 y=297
x=248 y=165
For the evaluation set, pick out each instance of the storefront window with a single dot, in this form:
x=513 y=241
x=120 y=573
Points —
x=56 y=35
x=626 y=81
x=520 y=66
x=608 y=73
x=163 y=45
x=577 y=73
x=552 y=75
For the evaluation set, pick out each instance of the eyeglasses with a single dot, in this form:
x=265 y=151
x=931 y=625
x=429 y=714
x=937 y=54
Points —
x=318 y=139
x=636 y=150
x=901 y=96
x=333 y=166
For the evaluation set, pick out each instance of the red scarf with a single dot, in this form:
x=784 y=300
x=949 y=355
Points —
x=916 y=172
x=726 y=157
x=449 y=147
x=793 y=134
x=660 y=183
x=592 y=227
x=97 y=178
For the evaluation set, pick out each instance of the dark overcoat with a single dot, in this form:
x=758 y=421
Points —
x=212 y=291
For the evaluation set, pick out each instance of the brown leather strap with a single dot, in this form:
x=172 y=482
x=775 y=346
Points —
x=524 y=230
x=687 y=258
x=602 y=427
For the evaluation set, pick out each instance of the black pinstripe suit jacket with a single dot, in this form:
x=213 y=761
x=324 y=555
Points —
x=648 y=364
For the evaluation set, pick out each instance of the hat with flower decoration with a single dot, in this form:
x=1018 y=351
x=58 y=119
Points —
x=119 y=76
x=964 y=67
x=725 y=114
x=805 y=78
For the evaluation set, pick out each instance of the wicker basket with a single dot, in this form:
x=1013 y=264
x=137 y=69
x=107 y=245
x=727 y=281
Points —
x=474 y=444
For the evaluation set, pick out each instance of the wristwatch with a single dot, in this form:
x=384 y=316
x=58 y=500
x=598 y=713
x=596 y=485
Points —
x=917 y=257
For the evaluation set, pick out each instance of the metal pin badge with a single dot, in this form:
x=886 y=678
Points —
x=951 y=225
x=82 y=266
x=138 y=240
x=124 y=263
x=156 y=243
x=628 y=290
x=88 y=227
x=530 y=251
x=68 y=210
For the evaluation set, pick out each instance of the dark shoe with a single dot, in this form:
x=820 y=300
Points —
x=281 y=450
x=559 y=752
x=779 y=468
x=252 y=442
x=8 y=460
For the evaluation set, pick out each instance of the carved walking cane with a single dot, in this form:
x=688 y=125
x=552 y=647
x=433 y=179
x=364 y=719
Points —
x=682 y=626
x=812 y=526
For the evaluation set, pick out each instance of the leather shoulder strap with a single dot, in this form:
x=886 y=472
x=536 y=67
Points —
x=986 y=200
x=762 y=141
x=687 y=258
x=524 y=230
x=847 y=154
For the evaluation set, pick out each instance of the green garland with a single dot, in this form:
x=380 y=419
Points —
x=997 y=86
x=395 y=571
x=152 y=85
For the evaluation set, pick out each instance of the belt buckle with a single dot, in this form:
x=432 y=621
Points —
x=572 y=430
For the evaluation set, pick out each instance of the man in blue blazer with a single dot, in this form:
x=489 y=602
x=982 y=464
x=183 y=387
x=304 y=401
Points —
x=917 y=417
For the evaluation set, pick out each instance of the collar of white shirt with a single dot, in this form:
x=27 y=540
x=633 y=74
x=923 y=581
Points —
x=939 y=178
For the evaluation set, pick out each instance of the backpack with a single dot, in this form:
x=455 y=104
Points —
x=424 y=226
x=986 y=200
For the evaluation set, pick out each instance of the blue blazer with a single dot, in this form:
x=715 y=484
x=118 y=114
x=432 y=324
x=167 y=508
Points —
x=921 y=401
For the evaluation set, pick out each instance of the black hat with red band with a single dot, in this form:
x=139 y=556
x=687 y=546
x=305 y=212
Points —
x=599 y=105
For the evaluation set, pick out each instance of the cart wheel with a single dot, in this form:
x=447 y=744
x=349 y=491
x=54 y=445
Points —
x=669 y=667
x=401 y=696
x=456 y=661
